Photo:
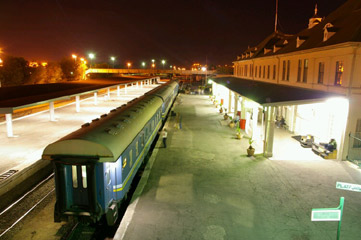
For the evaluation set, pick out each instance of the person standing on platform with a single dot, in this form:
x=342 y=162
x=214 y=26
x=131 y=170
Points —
x=164 y=135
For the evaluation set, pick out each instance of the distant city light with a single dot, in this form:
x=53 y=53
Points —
x=74 y=56
x=91 y=55
x=143 y=64
x=112 y=58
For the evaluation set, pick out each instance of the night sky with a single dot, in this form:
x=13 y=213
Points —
x=180 y=31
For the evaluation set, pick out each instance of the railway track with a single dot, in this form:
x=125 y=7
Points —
x=33 y=199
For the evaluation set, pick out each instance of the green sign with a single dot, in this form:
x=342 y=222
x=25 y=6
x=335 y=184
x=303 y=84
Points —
x=326 y=214
x=348 y=186
x=329 y=214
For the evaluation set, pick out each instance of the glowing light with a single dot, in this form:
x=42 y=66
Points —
x=112 y=58
x=44 y=64
x=143 y=64
x=129 y=64
x=91 y=55
x=204 y=69
x=74 y=56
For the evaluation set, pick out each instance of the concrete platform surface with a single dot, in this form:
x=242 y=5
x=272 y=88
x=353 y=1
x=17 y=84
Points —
x=203 y=186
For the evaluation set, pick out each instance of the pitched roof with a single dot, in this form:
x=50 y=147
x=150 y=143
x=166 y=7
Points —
x=346 y=22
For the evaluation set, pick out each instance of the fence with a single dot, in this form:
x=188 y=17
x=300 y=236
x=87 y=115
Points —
x=354 y=149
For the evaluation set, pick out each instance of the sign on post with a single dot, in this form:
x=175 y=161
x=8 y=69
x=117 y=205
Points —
x=348 y=186
x=326 y=214
x=329 y=214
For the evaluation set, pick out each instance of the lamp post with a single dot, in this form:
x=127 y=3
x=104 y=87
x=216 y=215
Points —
x=143 y=64
x=129 y=65
x=74 y=56
x=113 y=59
x=91 y=56
x=163 y=62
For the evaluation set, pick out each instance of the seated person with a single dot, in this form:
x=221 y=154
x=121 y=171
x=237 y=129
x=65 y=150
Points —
x=281 y=122
x=332 y=145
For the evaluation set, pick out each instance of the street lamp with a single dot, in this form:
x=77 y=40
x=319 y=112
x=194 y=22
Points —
x=163 y=62
x=91 y=56
x=113 y=59
x=143 y=64
x=74 y=56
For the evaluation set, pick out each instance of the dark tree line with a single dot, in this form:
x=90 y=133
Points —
x=16 y=71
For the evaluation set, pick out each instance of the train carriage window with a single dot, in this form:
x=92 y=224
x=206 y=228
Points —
x=130 y=158
x=75 y=176
x=107 y=175
x=124 y=162
x=136 y=149
x=142 y=140
x=83 y=176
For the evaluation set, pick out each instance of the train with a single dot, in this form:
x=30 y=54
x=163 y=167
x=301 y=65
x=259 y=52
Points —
x=95 y=165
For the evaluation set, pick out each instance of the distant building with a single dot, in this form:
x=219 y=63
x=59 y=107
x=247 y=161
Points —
x=324 y=58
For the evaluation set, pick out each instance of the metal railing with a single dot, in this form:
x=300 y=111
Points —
x=354 y=149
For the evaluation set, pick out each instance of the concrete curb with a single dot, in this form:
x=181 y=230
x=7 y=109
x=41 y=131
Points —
x=17 y=185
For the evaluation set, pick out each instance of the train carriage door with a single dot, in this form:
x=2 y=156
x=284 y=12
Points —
x=80 y=185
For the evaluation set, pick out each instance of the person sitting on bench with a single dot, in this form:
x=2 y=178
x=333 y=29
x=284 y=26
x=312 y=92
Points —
x=332 y=145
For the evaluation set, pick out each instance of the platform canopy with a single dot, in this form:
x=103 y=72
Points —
x=273 y=94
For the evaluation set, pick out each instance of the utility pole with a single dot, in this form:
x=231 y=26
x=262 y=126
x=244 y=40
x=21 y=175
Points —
x=276 y=16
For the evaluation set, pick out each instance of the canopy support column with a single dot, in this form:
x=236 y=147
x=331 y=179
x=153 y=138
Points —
x=269 y=132
x=77 y=103
x=95 y=98
x=52 y=111
x=9 y=124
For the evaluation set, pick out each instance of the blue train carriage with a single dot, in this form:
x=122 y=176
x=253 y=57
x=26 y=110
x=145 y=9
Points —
x=94 y=166
x=167 y=92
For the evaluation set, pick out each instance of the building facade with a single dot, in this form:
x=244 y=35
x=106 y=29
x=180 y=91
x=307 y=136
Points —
x=324 y=57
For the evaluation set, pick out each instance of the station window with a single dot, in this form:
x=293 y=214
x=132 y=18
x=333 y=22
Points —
x=268 y=71
x=299 y=72
x=251 y=70
x=274 y=72
x=142 y=140
x=305 y=70
x=264 y=71
x=260 y=71
x=339 y=72
x=84 y=177
x=74 y=176
x=288 y=70
x=283 y=70
x=255 y=71
x=321 y=72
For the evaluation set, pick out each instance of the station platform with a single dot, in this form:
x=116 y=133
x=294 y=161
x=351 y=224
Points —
x=21 y=154
x=203 y=186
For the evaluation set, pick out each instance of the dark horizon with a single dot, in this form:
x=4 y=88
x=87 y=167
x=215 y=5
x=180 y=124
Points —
x=181 y=32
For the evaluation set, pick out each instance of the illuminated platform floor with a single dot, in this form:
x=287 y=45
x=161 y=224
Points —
x=34 y=132
x=203 y=186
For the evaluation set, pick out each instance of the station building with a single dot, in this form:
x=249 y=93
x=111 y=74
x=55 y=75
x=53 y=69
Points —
x=311 y=79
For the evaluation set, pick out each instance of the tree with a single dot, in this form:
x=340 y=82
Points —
x=38 y=75
x=72 y=70
x=15 y=71
x=54 y=72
